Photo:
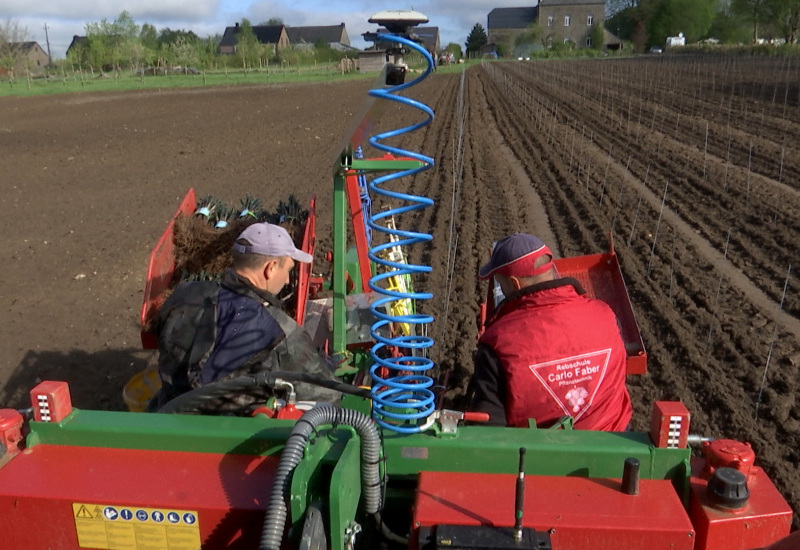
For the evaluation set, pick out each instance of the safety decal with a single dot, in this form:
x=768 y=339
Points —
x=573 y=381
x=112 y=527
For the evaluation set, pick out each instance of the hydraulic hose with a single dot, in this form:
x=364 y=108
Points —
x=275 y=520
x=202 y=395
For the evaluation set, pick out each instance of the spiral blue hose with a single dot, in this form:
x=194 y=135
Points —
x=401 y=395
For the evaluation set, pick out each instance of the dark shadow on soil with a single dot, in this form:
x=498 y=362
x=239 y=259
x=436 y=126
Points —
x=96 y=379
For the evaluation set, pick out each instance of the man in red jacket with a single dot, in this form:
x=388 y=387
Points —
x=548 y=351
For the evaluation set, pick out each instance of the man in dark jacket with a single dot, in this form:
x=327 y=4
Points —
x=219 y=330
x=548 y=351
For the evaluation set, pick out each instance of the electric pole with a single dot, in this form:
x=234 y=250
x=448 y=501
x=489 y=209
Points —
x=47 y=39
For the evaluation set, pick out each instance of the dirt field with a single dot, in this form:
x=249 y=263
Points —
x=692 y=163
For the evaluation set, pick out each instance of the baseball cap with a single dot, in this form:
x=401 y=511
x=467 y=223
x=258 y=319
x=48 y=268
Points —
x=270 y=240
x=515 y=256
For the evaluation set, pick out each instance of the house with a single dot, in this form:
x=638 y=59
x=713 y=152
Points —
x=23 y=56
x=430 y=38
x=567 y=21
x=77 y=48
x=571 y=21
x=334 y=36
x=505 y=24
x=372 y=61
x=268 y=35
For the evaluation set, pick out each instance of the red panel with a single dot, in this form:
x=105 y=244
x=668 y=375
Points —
x=765 y=519
x=51 y=401
x=38 y=487
x=304 y=269
x=581 y=512
x=359 y=228
x=669 y=425
x=601 y=277
x=160 y=270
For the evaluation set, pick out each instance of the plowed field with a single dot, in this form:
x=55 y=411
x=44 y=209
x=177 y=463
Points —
x=692 y=164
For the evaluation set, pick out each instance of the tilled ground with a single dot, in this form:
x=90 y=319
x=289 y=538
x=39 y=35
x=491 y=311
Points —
x=570 y=151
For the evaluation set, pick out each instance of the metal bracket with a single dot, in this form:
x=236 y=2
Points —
x=350 y=535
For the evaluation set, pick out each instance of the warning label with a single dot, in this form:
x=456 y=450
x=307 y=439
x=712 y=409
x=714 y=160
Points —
x=573 y=381
x=105 y=527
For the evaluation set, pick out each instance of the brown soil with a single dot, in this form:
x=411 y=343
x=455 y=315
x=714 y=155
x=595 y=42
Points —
x=568 y=150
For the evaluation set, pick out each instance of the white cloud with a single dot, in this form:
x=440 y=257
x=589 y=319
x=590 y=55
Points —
x=455 y=18
x=95 y=10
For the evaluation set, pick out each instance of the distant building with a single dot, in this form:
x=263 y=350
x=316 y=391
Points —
x=371 y=61
x=571 y=20
x=565 y=21
x=268 y=35
x=77 y=48
x=24 y=56
x=335 y=36
x=505 y=24
x=430 y=38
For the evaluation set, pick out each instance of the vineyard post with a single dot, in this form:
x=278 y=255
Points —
x=719 y=287
x=655 y=235
x=772 y=343
x=639 y=204
x=605 y=179
x=705 y=153
x=672 y=264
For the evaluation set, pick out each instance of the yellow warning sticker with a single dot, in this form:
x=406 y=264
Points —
x=105 y=527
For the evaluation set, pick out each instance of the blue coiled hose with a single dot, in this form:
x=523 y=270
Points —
x=401 y=390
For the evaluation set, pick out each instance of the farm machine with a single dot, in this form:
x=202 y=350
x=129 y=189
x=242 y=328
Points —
x=387 y=467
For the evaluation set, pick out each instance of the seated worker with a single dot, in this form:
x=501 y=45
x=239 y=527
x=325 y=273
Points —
x=548 y=350
x=218 y=330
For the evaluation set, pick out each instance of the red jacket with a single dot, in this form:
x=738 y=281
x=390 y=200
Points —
x=559 y=353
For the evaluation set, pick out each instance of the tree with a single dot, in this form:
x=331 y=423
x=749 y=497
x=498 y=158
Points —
x=756 y=11
x=477 y=39
x=615 y=6
x=785 y=14
x=669 y=17
x=729 y=28
x=11 y=34
x=169 y=36
x=247 y=46
x=598 y=36
x=455 y=49
x=532 y=34
x=112 y=44
x=271 y=22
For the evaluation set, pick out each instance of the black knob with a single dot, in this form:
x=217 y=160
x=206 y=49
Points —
x=727 y=488
x=630 y=477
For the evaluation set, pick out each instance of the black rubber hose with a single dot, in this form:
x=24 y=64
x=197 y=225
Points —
x=198 y=397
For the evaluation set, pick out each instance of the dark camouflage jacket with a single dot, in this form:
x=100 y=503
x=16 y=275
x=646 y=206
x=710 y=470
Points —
x=188 y=336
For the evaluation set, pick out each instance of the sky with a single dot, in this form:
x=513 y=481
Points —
x=66 y=18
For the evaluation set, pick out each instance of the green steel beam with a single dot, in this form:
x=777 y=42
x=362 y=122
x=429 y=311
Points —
x=164 y=432
x=473 y=449
x=339 y=343
x=550 y=452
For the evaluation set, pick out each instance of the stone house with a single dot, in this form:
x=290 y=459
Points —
x=334 y=36
x=505 y=24
x=268 y=35
x=567 y=21
x=571 y=20
x=23 y=56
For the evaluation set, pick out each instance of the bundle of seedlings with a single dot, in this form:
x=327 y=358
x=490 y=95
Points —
x=203 y=241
